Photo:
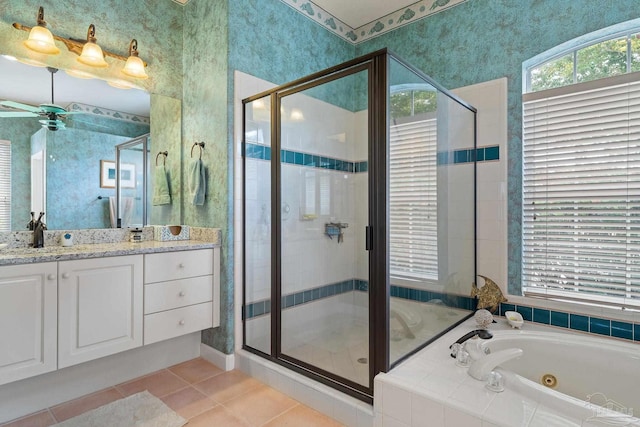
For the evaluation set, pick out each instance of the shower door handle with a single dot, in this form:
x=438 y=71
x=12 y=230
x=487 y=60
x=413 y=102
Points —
x=368 y=231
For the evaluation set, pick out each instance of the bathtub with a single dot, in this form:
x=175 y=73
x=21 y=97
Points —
x=562 y=379
x=602 y=372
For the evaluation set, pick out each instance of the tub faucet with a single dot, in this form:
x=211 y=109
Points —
x=480 y=368
x=481 y=333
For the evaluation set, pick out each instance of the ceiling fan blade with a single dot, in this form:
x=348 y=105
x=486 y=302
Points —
x=20 y=106
x=17 y=114
x=51 y=108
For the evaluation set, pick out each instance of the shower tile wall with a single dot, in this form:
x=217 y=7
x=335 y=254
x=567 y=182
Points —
x=309 y=258
x=490 y=98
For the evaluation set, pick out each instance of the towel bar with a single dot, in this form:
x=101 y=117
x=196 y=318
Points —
x=199 y=144
x=164 y=160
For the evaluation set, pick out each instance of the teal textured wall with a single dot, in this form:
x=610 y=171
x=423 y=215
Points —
x=19 y=133
x=73 y=178
x=271 y=41
x=482 y=40
x=205 y=118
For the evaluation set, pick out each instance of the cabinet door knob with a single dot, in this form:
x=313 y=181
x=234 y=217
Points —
x=181 y=294
x=181 y=322
x=51 y=277
x=65 y=275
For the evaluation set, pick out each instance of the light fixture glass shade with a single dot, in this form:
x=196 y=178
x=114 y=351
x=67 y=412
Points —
x=41 y=40
x=92 y=56
x=134 y=67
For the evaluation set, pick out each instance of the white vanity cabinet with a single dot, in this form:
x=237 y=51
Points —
x=100 y=305
x=28 y=316
x=181 y=293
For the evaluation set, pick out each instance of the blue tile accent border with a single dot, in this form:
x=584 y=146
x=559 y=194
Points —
x=469 y=155
x=263 y=307
x=263 y=152
x=578 y=322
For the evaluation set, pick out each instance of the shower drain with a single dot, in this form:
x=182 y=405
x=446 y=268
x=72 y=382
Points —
x=363 y=360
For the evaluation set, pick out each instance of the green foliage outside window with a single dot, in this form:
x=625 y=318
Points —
x=600 y=60
x=410 y=103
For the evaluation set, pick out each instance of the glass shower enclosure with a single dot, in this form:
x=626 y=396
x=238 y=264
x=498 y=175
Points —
x=359 y=219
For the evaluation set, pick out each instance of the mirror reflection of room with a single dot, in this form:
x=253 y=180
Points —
x=69 y=172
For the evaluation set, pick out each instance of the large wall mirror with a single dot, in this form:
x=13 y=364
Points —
x=70 y=173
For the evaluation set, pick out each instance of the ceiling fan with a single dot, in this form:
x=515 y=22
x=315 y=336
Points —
x=51 y=114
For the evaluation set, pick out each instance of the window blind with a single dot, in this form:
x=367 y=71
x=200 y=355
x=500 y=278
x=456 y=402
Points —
x=581 y=195
x=412 y=200
x=5 y=186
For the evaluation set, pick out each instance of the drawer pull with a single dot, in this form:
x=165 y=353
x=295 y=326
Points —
x=181 y=265
x=181 y=294
x=65 y=275
x=51 y=277
x=181 y=322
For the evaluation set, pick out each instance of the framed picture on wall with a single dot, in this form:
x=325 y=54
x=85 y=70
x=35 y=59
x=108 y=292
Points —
x=108 y=174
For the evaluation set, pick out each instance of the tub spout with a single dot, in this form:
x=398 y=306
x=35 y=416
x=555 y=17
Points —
x=480 y=369
x=481 y=333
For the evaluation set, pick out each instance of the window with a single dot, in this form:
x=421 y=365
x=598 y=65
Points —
x=581 y=192
x=5 y=186
x=616 y=55
x=413 y=219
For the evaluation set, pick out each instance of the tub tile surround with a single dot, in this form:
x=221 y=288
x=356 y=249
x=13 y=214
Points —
x=262 y=307
x=599 y=325
x=429 y=386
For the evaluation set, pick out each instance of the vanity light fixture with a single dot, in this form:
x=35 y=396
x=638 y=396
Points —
x=40 y=38
x=134 y=67
x=92 y=53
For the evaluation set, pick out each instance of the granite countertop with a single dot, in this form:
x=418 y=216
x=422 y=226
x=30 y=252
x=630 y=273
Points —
x=14 y=256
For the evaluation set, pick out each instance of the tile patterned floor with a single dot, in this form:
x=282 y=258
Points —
x=200 y=393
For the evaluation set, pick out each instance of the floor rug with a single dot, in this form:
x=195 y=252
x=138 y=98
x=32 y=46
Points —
x=139 y=410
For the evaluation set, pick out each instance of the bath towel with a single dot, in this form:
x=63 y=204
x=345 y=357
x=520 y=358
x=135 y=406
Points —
x=161 y=193
x=197 y=182
x=126 y=211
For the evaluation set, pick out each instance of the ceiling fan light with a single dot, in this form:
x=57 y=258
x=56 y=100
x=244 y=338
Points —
x=92 y=56
x=41 y=40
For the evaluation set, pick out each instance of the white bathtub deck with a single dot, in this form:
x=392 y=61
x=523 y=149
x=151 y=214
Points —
x=430 y=390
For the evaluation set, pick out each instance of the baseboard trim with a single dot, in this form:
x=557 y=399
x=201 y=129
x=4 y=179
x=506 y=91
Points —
x=223 y=361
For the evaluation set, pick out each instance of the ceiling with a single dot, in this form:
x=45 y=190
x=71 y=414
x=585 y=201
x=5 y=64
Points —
x=357 y=13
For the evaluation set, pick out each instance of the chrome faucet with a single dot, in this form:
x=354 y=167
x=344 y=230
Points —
x=481 y=333
x=480 y=368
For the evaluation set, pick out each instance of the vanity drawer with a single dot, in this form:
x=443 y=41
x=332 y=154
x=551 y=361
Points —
x=180 y=321
x=177 y=293
x=166 y=266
